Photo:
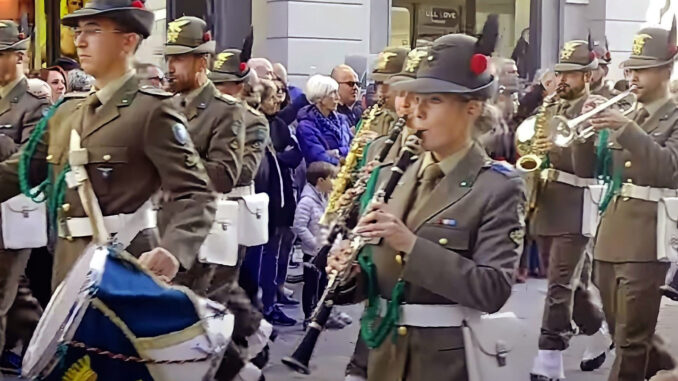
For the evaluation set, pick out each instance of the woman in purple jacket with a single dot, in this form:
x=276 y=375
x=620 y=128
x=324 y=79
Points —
x=323 y=134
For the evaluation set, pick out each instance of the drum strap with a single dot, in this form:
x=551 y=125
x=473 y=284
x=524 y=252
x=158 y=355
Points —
x=77 y=159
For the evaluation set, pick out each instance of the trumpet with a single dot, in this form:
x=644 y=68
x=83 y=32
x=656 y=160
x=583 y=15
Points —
x=564 y=132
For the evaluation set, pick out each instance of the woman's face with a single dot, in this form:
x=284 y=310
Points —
x=57 y=83
x=270 y=104
x=280 y=90
x=330 y=101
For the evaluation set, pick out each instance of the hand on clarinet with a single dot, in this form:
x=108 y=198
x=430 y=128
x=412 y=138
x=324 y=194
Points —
x=160 y=262
x=339 y=259
x=379 y=223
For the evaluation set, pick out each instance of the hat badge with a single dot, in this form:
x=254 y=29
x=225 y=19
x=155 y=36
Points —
x=639 y=43
x=414 y=59
x=383 y=60
x=569 y=49
x=174 y=29
x=221 y=59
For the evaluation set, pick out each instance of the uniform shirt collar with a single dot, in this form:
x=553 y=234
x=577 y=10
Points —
x=448 y=164
x=110 y=89
x=5 y=90
x=654 y=106
x=191 y=95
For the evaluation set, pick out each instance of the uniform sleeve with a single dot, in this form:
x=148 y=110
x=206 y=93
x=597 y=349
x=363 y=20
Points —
x=225 y=151
x=662 y=161
x=484 y=281
x=32 y=117
x=182 y=175
x=584 y=157
x=256 y=138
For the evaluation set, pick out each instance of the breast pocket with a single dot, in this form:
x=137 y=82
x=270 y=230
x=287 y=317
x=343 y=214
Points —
x=661 y=134
x=105 y=166
x=449 y=237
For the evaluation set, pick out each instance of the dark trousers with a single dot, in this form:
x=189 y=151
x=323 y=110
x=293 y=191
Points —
x=250 y=272
x=274 y=262
x=315 y=281
x=567 y=296
x=631 y=301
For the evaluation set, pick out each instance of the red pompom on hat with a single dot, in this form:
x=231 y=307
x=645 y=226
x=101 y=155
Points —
x=207 y=36
x=673 y=49
x=137 y=4
x=243 y=66
x=592 y=55
x=478 y=63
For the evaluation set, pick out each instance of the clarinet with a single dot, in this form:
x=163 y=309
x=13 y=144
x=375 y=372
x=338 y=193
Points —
x=299 y=360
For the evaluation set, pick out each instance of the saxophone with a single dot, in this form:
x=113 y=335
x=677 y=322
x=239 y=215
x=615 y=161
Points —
x=532 y=129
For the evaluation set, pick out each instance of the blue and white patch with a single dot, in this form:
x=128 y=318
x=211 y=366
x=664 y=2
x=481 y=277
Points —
x=180 y=133
x=503 y=168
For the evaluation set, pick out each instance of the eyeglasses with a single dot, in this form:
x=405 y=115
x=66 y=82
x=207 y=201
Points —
x=90 y=32
x=351 y=83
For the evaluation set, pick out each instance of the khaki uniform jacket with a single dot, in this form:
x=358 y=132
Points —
x=256 y=139
x=136 y=144
x=559 y=206
x=468 y=262
x=605 y=91
x=647 y=155
x=216 y=125
x=383 y=121
x=20 y=111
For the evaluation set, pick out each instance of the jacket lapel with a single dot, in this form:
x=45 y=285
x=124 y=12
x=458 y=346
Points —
x=452 y=187
x=109 y=112
x=200 y=102
x=401 y=197
x=652 y=123
x=13 y=96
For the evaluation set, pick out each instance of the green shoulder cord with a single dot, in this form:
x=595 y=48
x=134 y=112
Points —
x=46 y=191
x=358 y=126
x=604 y=168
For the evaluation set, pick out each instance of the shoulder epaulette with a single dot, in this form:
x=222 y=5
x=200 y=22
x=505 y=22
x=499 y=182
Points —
x=76 y=95
x=253 y=110
x=227 y=98
x=150 y=90
x=504 y=168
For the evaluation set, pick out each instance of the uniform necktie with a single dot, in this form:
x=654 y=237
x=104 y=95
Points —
x=641 y=116
x=428 y=181
x=91 y=104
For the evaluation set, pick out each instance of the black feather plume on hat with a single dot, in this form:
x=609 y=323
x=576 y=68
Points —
x=246 y=53
x=487 y=41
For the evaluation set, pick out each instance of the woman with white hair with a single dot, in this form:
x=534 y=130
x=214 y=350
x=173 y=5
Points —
x=323 y=134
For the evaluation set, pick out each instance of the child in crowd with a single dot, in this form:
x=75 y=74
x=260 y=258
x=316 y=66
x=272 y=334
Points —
x=310 y=209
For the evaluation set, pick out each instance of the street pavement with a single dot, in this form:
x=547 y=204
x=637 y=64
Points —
x=335 y=347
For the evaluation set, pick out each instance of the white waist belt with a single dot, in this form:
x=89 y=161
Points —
x=646 y=193
x=82 y=226
x=555 y=175
x=239 y=192
x=432 y=315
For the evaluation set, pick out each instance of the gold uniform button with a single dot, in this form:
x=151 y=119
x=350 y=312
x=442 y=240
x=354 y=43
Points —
x=49 y=157
x=107 y=157
x=443 y=241
x=627 y=164
x=402 y=330
x=66 y=207
x=399 y=259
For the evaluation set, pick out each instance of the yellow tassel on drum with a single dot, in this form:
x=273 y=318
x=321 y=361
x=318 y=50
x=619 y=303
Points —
x=80 y=371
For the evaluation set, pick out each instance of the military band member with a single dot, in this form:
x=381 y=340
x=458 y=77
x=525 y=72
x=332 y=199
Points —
x=644 y=156
x=599 y=84
x=557 y=223
x=453 y=230
x=20 y=110
x=135 y=143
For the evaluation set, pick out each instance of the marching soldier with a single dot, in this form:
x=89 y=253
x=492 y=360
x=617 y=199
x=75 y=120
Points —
x=599 y=85
x=389 y=63
x=557 y=223
x=643 y=161
x=134 y=143
x=20 y=111
x=435 y=253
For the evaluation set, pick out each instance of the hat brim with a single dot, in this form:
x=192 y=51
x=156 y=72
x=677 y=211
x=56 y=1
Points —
x=381 y=77
x=17 y=46
x=565 y=67
x=142 y=23
x=645 y=63
x=173 y=50
x=433 y=85
x=217 y=77
x=398 y=78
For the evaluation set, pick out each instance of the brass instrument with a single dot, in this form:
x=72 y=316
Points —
x=527 y=133
x=564 y=132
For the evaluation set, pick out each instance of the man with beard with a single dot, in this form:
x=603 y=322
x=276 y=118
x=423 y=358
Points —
x=599 y=85
x=349 y=85
x=557 y=223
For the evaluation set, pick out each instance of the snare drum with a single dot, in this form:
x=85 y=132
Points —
x=112 y=320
